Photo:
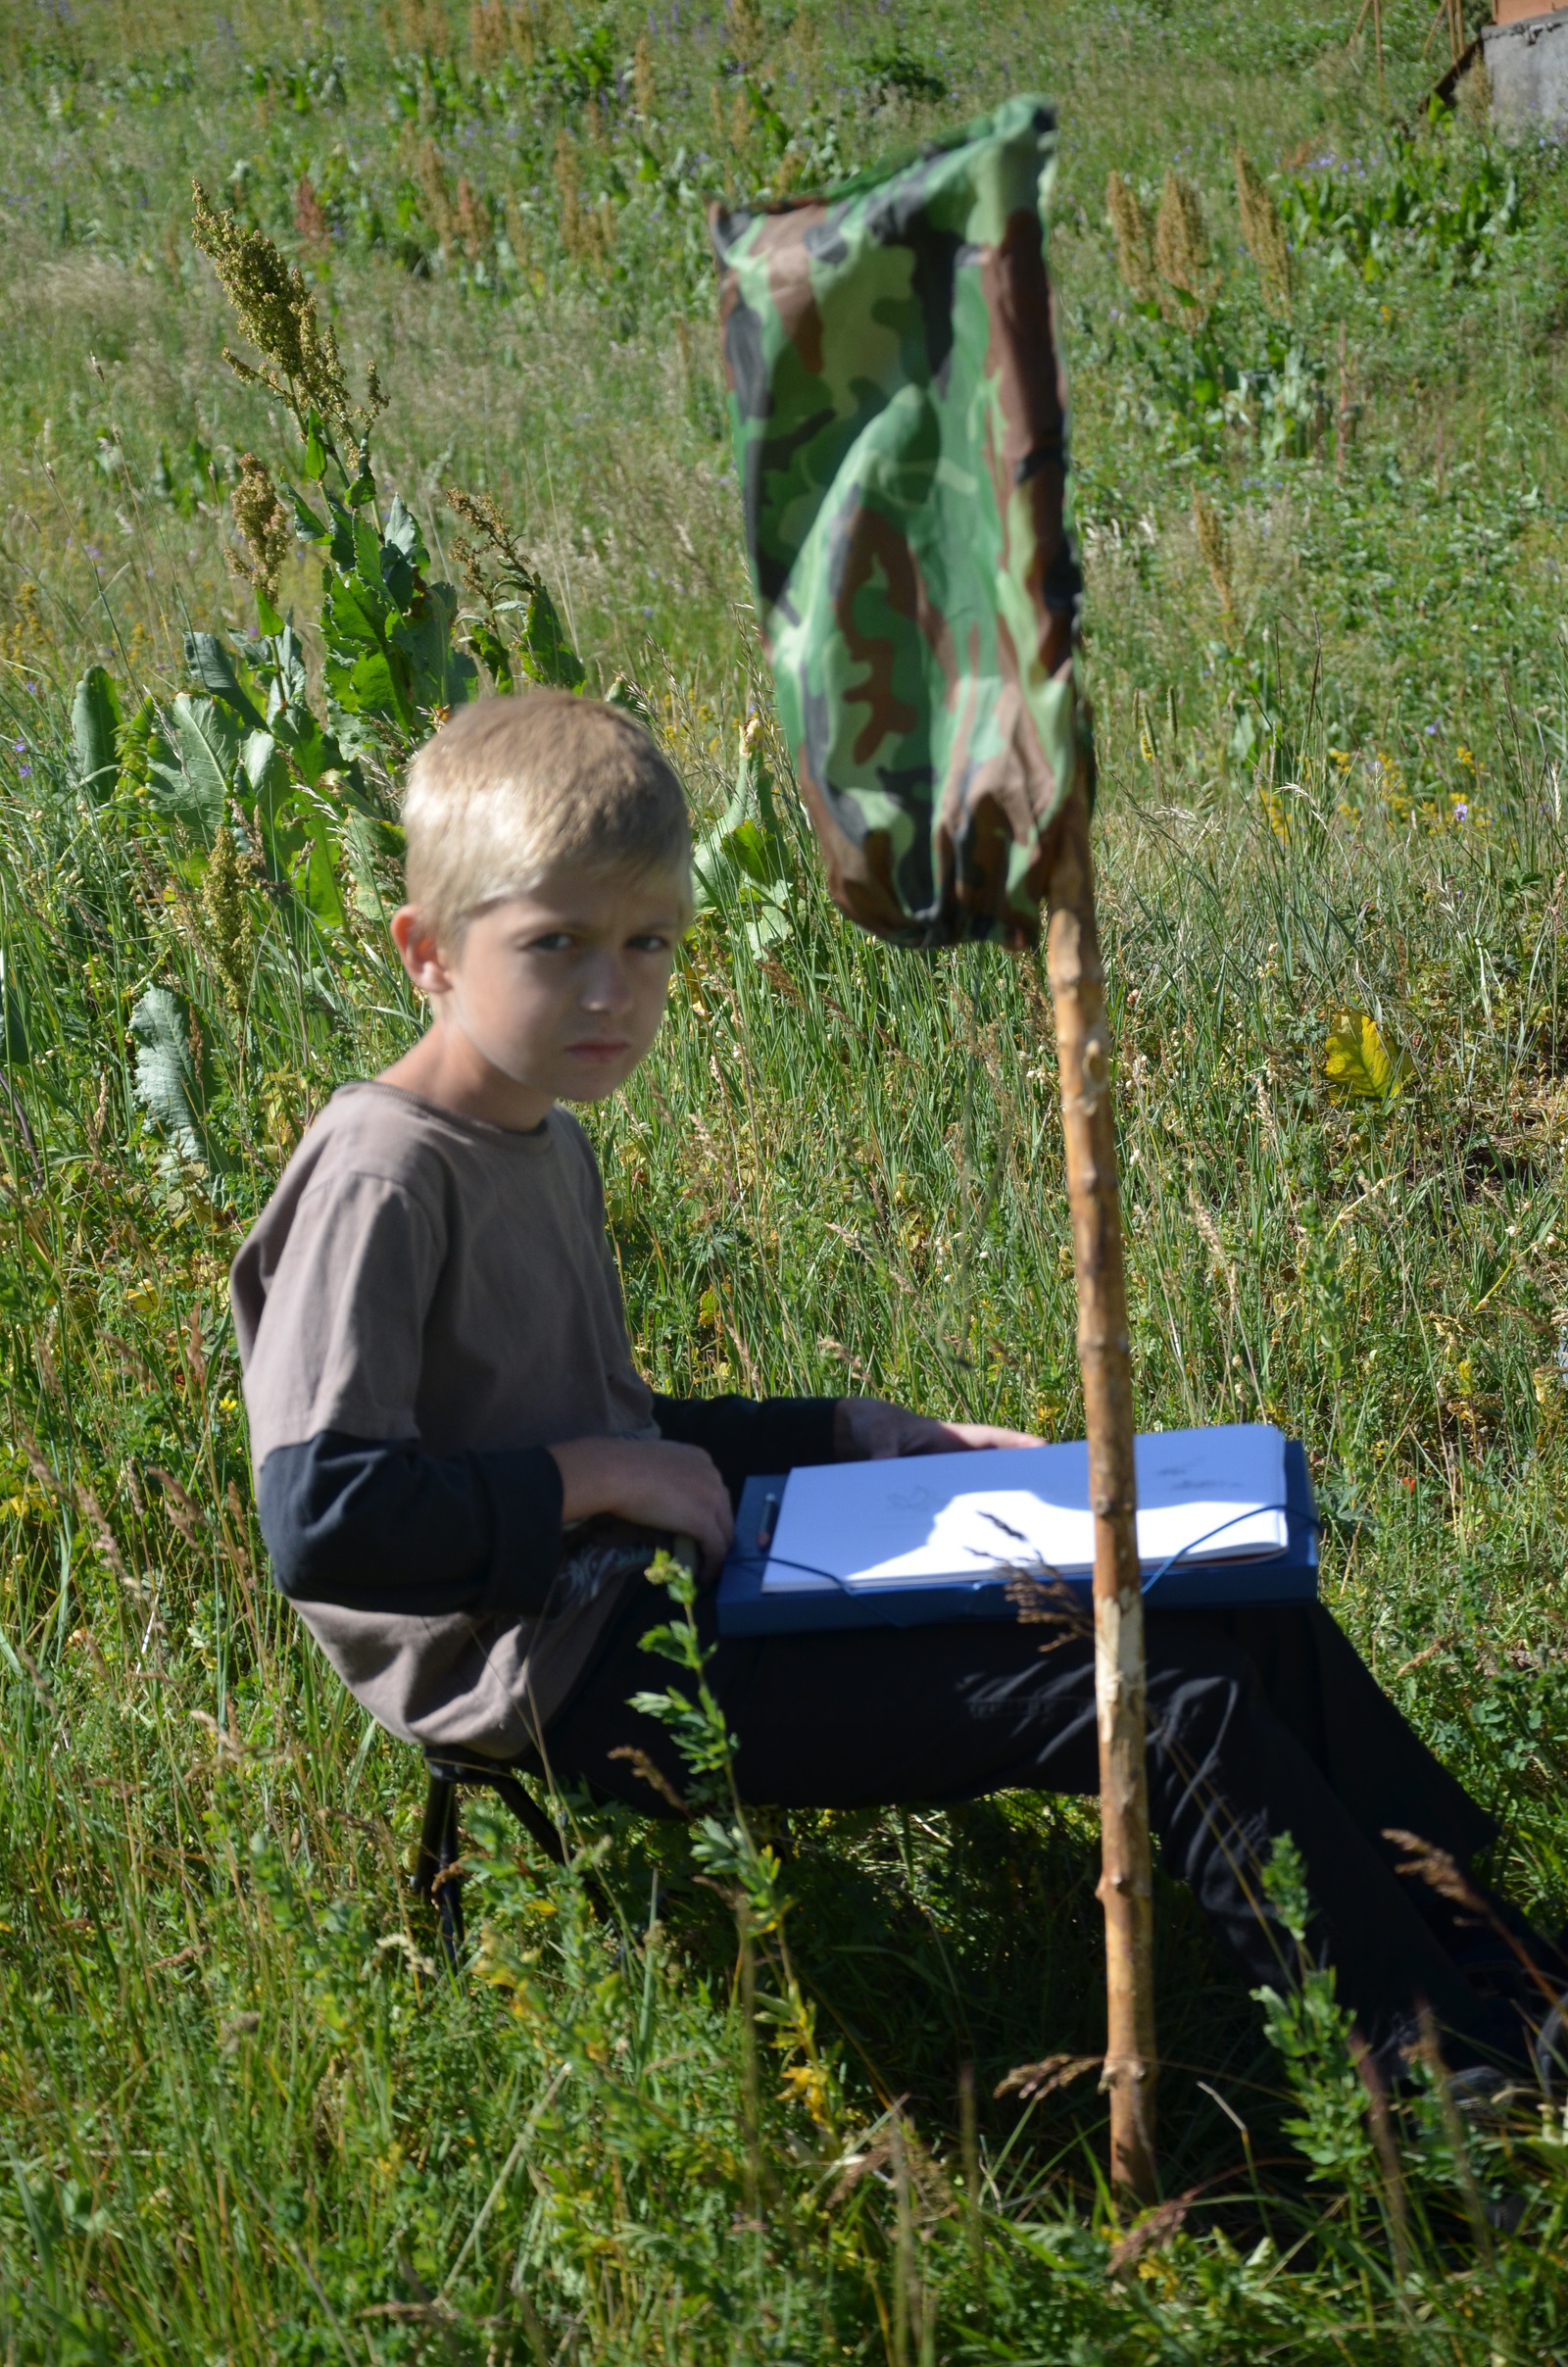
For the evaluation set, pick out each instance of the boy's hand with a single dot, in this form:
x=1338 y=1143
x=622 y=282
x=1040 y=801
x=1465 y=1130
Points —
x=654 y=1482
x=869 y=1430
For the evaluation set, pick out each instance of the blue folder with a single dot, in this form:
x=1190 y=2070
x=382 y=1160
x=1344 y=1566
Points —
x=743 y=1609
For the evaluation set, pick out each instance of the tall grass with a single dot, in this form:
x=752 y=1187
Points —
x=245 y=2114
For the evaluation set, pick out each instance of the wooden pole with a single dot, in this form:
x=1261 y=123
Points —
x=1083 y=1052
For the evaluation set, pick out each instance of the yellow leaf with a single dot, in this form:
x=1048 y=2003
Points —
x=1358 y=1064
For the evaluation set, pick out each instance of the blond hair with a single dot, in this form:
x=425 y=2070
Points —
x=510 y=789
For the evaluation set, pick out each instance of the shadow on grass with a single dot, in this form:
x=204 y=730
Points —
x=932 y=1938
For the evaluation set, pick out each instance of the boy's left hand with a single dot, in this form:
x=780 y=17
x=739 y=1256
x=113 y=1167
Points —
x=869 y=1430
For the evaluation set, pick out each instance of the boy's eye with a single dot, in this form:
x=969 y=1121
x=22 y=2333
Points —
x=655 y=942
x=554 y=941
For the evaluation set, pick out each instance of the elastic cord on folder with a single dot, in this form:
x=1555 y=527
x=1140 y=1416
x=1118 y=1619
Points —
x=1308 y=1520
x=869 y=1595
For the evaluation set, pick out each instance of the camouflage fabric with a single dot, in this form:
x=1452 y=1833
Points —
x=900 y=436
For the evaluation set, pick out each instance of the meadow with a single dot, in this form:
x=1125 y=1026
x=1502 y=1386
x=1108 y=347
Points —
x=731 y=2091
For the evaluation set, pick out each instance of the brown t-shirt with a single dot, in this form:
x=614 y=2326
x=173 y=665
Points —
x=431 y=1280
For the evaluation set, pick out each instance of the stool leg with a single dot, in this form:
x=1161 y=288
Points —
x=448 y=1887
x=532 y=1818
x=438 y=1812
x=434 y=1876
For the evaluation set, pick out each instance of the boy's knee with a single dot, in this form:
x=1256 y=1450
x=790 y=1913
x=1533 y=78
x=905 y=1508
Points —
x=1201 y=1684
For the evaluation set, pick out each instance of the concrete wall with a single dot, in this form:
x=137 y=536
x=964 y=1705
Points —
x=1528 y=64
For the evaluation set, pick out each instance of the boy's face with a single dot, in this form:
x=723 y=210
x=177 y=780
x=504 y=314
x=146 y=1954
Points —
x=558 y=993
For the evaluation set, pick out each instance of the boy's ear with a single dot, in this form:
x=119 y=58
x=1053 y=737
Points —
x=414 y=935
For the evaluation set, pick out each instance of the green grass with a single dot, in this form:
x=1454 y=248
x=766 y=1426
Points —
x=243 y=2118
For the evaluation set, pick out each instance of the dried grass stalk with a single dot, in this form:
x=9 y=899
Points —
x=1182 y=249
x=1265 y=233
x=1134 y=235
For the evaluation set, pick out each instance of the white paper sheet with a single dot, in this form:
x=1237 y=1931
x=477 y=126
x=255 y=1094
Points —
x=1206 y=1495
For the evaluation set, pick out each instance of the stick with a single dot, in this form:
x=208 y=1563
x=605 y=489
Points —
x=1083 y=1051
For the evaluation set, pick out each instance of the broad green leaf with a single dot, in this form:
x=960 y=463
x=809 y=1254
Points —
x=194 y=790
x=94 y=729
x=750 y=849
x=266 y=768
x=402 y=534
x=360 y=845
x=438 y=676
x=1358 y=1064
x=315 y=877
x=307 y=742
x=744 y=858
x=163 y=1081
x=493 y=650
x=366 y=687
x=314 y=450
x=214 y=668
x=547 y=655
x=342 y=548
x=266 y=617
x=400 y=577
x=352 y=616
x=367 y=557
x=305 y=521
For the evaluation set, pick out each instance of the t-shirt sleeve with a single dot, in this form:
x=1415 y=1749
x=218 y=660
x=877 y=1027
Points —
x=339 y=1344
x=353 y=1509
x=746 y=1435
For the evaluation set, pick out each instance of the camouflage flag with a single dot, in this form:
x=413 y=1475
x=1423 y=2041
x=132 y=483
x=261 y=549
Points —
x=900 y=435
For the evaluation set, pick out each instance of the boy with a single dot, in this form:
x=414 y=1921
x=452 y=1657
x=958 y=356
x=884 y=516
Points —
x=460 y=1471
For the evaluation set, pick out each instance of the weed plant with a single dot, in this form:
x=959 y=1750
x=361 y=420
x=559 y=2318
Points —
x=820 y=2087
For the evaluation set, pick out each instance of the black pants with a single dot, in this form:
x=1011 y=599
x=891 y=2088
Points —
x=1261 y=1722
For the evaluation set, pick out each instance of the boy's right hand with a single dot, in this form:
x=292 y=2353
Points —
x=653 y=1482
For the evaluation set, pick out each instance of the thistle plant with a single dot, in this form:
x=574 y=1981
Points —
x=1265 y=233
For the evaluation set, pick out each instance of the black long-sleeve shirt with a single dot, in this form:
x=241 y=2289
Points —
x=383 y=1525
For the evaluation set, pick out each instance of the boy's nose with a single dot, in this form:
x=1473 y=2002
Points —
x=605 y=987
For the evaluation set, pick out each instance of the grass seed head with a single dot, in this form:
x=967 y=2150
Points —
x=1181 y=247
x=424 y=28
x=1265 y=233
x=746 y=28
x=644 y=81
x=568 y=191
x=277 y=313
x=436 y=199
x=264 y=527
x=310 y=214
x=469 y=220
x=489 y=34
x=230 y=923
x=1135 y=238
